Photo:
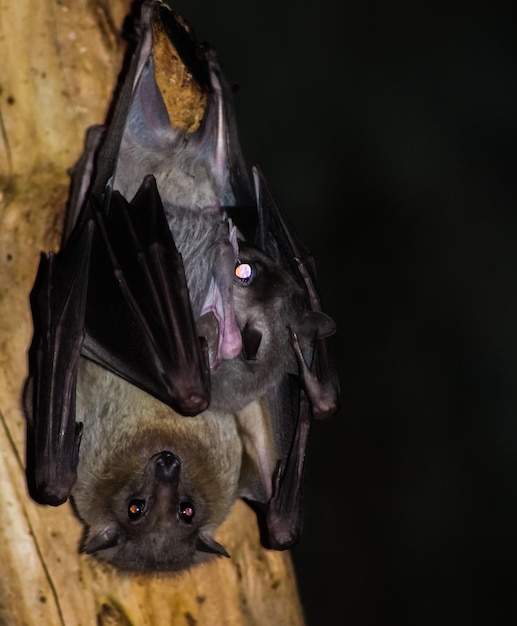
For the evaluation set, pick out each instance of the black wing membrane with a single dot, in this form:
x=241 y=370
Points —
x=58 y=303
x=284 y=510
x=138 y=321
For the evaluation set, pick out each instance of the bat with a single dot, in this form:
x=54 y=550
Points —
x=179 y=350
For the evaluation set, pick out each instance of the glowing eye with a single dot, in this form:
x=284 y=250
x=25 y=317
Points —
x=135 y=509
x=244 y=272
x=186 y=512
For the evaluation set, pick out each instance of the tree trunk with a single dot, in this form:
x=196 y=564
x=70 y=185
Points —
x=59 y=65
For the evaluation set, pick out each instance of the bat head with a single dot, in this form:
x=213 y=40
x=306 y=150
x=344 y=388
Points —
x=268 y=304
x=155 y=523
x=152 y=486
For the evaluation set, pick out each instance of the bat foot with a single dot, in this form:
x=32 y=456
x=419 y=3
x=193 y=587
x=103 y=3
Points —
x=193 y=404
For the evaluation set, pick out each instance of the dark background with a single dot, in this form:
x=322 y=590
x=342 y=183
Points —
x=387 y=131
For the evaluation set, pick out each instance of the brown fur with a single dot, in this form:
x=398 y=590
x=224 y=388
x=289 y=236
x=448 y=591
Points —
x=123 y=428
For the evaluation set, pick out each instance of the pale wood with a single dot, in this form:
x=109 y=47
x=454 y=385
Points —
x=58 y=66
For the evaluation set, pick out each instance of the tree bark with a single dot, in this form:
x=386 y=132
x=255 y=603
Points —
x=59 y=65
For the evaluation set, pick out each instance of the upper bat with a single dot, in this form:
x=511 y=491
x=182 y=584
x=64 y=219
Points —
x=181 y=276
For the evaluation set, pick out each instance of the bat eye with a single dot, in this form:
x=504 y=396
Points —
x=186 y=512
x=244 y=272
x=135 y=509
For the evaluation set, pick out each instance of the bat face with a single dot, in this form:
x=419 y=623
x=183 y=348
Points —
x=267 y=303
x=155 y=521
x=152 y=500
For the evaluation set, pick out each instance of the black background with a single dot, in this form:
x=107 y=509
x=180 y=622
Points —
x=387 y=131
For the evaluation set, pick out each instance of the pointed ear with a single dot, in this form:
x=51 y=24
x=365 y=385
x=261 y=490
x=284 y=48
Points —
x=317 y=323
x=101 y=539
x=206 y=543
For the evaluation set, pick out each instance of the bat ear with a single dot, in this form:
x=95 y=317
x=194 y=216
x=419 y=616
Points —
x=206 y=543
x=101 y=539
x=317 y=323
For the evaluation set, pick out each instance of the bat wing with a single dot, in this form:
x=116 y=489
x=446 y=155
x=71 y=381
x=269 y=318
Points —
x=58 y=304
x=291 y=404
x=138 y=320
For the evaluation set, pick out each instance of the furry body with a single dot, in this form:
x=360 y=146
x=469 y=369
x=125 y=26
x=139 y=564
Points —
x=123 y=428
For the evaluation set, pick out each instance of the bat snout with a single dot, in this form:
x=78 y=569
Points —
x=167 y=466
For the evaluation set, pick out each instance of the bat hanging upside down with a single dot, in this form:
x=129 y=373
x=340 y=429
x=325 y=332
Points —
x=179 y=347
